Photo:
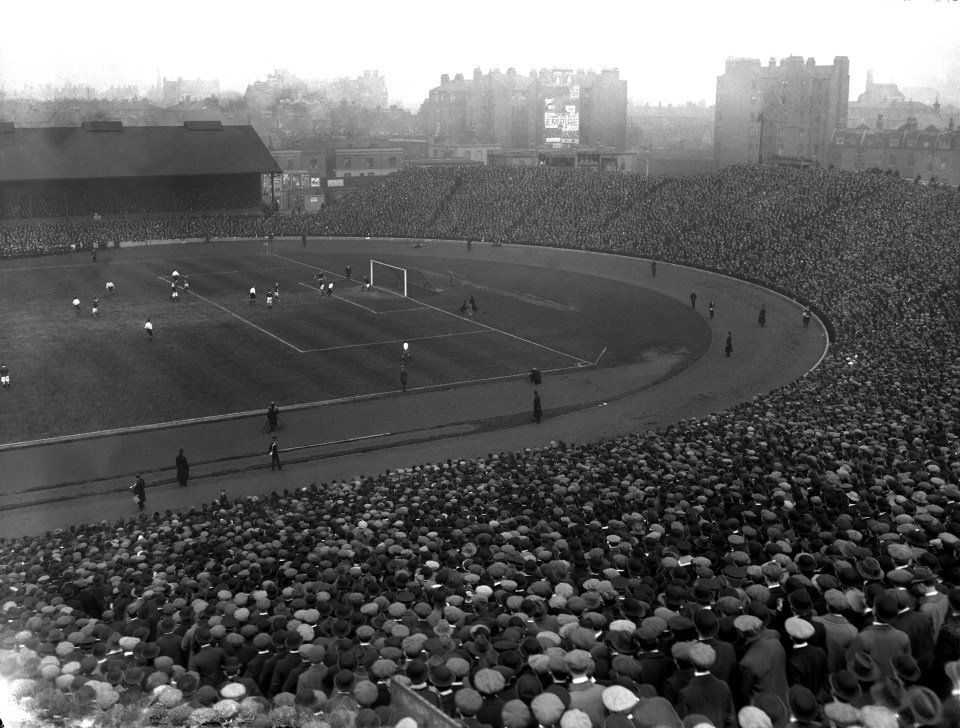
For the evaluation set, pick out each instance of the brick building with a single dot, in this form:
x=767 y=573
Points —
x=786 y=110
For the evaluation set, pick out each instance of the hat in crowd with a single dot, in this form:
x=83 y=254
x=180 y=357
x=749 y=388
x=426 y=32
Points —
x=799 y=629
x=750 y=716
x=547 y=708
x=845 y=686
x=618 y=699
x=841 y=715
x=515 y=714
x=654 y=712
x=468 y=701
x=924 y=706
x=575 y=718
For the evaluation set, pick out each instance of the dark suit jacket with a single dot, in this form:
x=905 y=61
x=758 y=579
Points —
x=208 y=663
x=709 y=696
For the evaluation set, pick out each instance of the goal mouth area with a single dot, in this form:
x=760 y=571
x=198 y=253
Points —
x=403 y=281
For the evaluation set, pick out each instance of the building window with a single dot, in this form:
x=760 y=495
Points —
x=347 y=174
x=313 y=163
x=393 y=161
x=346 y=163
x=289 y=164
x=369 y=162
x=943 y=164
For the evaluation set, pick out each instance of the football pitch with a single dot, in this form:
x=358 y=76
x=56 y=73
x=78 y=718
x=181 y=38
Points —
x=215 y=354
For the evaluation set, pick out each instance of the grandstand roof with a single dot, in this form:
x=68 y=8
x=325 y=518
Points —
x=106 y=150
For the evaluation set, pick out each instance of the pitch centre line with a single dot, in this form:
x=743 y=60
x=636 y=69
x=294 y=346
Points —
x=249 y=323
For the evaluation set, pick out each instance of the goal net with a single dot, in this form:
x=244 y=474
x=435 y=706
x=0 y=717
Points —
x=399 y=280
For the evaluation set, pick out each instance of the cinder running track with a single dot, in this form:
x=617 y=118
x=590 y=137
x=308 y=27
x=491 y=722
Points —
x=53 y=485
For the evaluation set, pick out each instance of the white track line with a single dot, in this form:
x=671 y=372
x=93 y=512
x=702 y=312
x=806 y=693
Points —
x=397 y=341
x=249 y=323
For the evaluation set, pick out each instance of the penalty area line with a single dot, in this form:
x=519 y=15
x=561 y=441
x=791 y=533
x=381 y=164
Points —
x=581 y=362
x=241 y=318
x=396 y=341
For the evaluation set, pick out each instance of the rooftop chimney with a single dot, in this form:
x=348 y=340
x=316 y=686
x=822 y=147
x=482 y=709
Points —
x=879 y=121
x=445 y=78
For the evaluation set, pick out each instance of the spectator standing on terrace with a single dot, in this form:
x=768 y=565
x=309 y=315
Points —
x=653 y=268
x=728 y=347
x=762 y=317
x=148 y=327
x=693 y=299
x=183 y=468
x=93 y=255
x=274 y=453
x=139 y=489
x=4 y=376
x=711 y=307
x=806 y=317
x=303 y=239
x=537 y=408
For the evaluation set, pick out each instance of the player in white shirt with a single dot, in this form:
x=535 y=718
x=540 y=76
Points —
x=148 y=327
x=111 y=289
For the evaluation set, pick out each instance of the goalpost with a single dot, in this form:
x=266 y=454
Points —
x=390 y=277
x=397 y=279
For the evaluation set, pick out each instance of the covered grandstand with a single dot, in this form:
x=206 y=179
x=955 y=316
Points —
x=105 y=168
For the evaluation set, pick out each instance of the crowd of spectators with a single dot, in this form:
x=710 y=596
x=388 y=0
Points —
x=794 y=560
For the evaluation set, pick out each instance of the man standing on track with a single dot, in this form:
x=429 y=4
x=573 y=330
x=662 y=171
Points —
x=728 y=347
x=537 y=408
x=693 y=299
x=183 y=469
x=139 y=489
x=274 y=453
x=273 y=417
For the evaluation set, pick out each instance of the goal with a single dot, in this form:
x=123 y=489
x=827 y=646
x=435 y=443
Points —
x=397 y=279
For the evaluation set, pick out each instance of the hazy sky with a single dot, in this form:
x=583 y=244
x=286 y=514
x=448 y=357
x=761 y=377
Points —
x=668 y=50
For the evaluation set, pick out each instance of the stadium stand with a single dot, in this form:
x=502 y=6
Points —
x=791 y=560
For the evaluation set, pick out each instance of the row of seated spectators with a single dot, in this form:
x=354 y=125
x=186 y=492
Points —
x=794 y=560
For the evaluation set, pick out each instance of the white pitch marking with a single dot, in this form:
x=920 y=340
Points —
x=396 y=341
x=249 y=323
x=579 y=360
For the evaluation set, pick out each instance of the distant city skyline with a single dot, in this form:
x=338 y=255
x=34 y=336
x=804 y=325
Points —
x=667 y=52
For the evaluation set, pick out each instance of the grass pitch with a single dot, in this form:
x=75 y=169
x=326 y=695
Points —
x=214 y=353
